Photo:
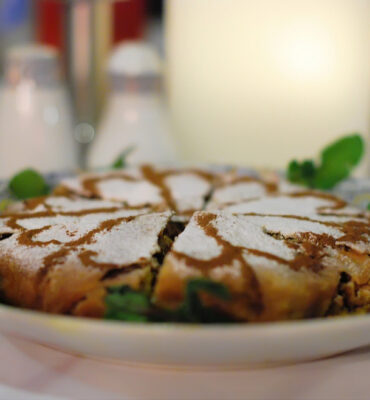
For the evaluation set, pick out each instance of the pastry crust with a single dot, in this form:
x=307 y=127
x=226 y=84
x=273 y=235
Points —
x=60 y=254
x=276 y=267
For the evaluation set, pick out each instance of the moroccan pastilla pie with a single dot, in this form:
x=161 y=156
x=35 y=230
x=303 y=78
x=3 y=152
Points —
x=282 y=252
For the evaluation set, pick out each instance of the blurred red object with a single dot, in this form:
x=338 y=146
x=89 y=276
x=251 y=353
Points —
x=49 y=22
x=128 y=20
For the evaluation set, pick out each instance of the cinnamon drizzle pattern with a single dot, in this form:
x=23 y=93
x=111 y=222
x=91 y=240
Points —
x=157 y=178
x=312 y=244
x=229 y=254
x=111 y=217
x=270 y=187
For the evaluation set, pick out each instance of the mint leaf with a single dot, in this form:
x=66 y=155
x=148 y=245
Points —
x=119 y=163
x=308 y=169
x=125 y=304
x=294 y=173
x=192 y=309
x=28 y=183
x=348 y=150
x=338 y=160
x=203 y=284
x=336 y=163
x=121 y=160
x=301 y=173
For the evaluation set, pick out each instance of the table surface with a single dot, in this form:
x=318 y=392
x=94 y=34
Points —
x=29 y=371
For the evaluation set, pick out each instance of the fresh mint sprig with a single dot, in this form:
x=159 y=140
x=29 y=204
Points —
x=28 y=183
x=336 y=164
x=125 y=304
x=192 y=308
x=121 y=161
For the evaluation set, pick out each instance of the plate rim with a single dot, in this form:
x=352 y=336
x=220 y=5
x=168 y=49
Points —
x=169 y=327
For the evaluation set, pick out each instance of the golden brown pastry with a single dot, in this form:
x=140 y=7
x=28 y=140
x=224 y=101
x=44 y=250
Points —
x=58 y=254
x=276 y=267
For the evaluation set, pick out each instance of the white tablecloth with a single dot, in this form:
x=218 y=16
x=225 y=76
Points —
x=30 y=371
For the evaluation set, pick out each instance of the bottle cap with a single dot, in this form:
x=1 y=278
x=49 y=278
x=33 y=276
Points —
x=36 y=63
x=135 y=66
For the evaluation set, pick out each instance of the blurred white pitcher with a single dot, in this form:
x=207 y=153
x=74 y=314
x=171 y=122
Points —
x=35 y=115
x=135 y=117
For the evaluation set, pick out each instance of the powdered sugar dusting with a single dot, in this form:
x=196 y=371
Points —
x=188 y=190
x=67 y=228
x=360 y=246
x=249 y=233
x=183 y=190
x=236 y=192
x=233 y=271
x=181 y=268
x=65 y=204
x=28 y=257
x=118 y=236
x=258 y=262
x=267 y=235
x=129 y=242
x=286 y=187
x=291 y=226
x=134 y=193
x=281 y=205
x=195 y=243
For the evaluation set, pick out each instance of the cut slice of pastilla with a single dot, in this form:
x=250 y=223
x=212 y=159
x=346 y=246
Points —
x=275 y=267
x=180 y=190
x=62 y=261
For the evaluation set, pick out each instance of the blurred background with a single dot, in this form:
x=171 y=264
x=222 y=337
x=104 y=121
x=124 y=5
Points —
x=244 y=82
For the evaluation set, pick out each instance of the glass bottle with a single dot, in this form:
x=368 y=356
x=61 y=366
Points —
x=135 y=117
x=35 y=117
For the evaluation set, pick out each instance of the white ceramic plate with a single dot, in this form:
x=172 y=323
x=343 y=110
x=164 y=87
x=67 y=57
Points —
x=194 y=345
x=190 y=345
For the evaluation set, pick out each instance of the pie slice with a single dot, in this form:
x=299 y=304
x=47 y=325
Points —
x=181 y=190
x=60 y=254
x=275 y=267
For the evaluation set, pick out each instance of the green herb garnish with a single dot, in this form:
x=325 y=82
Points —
x=336 y=163
x=28 y=183
x=4 y=204
x=192 y=309
x=121 y=160
x=125 y=304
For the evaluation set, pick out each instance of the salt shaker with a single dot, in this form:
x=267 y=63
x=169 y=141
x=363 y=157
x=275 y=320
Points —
x=35 y=117
x=135 y=117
